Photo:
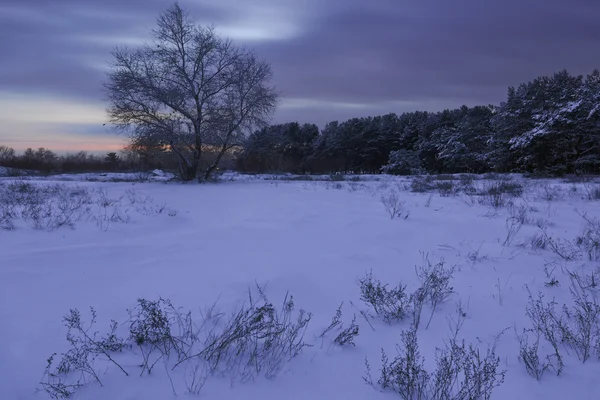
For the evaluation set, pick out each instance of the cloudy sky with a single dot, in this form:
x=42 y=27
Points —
x=332 y=59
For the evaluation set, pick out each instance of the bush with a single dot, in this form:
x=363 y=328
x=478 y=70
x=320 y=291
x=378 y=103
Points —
x=390 y=304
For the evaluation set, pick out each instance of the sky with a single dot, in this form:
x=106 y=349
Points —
x=332 y=59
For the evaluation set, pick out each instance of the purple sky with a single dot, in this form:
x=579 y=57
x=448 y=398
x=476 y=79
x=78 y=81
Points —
x=332 y=59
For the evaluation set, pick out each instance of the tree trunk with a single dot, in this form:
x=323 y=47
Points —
x=211 y=168
x=188 y=170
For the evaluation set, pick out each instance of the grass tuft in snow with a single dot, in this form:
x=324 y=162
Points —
x=395 y=207
x=589 y=240
x=346 y=336
x=498 y=194
x=529 y=354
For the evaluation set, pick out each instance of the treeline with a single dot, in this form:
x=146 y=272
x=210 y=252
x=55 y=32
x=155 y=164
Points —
x=550 y=125
x=135 y=157
x=46 y=161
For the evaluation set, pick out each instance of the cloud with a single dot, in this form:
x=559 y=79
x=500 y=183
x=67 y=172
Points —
x=56 y=123
x=331 y=59
x=15 y=107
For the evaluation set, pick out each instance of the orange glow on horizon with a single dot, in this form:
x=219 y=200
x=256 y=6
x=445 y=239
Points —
x=62 y=146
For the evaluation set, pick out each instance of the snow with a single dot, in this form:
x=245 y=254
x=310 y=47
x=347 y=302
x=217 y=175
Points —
x=313 y=239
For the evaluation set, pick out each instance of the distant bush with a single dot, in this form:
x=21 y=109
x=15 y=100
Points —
x=43 y=160
x=592 y=191
x=446 y=188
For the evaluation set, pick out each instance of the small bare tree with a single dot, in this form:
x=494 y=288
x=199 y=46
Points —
x=189 y=91
x=7 y=154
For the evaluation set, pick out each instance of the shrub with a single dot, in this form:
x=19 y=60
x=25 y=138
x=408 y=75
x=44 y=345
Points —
x=592 y=191
x=422 y=184
x=544 y=319
x=580 y=325
x=434 y=289
x=513 y=226
x=529 y=355
x=550 y=193
x=390 y=304
x=461 y=371
x=405 y=373
x=77 y=366
x=48 y=207
x=589 y=240
x=562 y=248
x=337 y=178
x=254 y=339
x=537 y=242
x=446 y=188
x=52 y=207
x=499 y=193
x=347 y=335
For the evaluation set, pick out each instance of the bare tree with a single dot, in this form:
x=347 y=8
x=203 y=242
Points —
x=188 y=91
x=7 y=154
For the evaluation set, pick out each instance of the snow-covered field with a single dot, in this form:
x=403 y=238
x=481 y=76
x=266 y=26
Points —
x=200 y=244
